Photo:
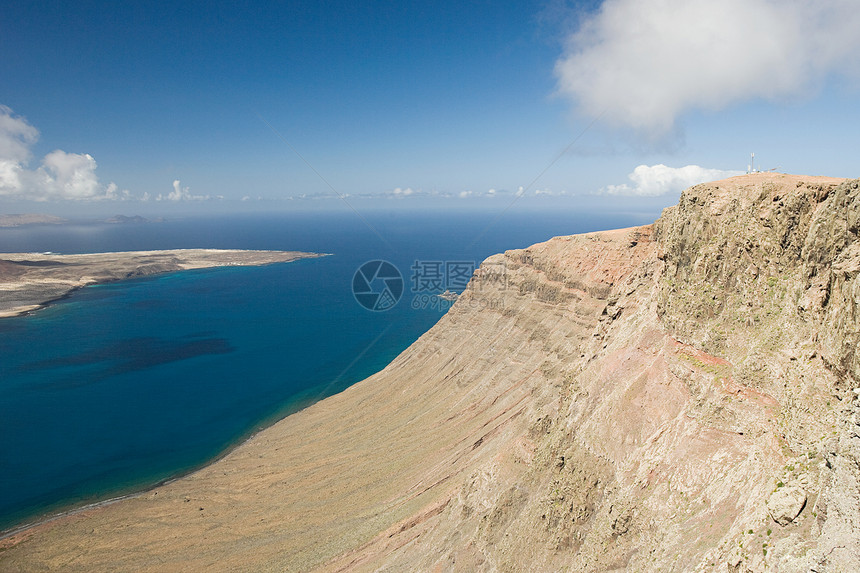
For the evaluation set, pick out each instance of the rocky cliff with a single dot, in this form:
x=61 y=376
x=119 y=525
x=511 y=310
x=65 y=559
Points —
x=674 y=397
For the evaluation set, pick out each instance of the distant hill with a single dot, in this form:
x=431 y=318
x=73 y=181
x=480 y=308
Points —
x=124 y=219
x=29 y=219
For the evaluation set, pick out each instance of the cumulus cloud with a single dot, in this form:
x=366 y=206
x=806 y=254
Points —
x=60 y=175
x=16 y=137
x=643 y=63
x=654 y=180
x=180 y=193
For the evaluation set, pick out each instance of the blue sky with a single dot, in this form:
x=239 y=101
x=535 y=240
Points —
x=188 y=102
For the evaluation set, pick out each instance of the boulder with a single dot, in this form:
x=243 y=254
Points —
x=785 y=504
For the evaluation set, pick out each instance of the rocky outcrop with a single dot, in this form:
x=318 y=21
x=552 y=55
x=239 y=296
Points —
x=706 y=421
x=675 y=397
x=786 y=504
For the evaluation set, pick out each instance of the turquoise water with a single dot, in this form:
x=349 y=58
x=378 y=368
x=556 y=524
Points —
x=122 y=386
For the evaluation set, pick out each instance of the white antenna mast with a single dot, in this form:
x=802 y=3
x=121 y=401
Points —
x=752 y=163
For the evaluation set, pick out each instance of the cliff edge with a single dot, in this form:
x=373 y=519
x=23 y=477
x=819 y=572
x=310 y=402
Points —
x=674 y=397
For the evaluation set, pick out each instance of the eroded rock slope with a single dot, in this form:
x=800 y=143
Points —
x=694 y=404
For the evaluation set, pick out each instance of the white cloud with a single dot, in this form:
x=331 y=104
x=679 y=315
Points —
x=643 y=63
x=11 y=180
x=16 y=137
x=410 y=194
x=61 y=175
x=71 y=176
x=654 y=180
x=181 y=193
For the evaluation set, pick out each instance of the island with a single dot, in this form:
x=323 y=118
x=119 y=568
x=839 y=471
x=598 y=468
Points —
x=30 y=281
x=18 y=220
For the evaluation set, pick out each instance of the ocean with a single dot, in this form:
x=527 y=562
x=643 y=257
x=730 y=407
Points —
x=122 y=386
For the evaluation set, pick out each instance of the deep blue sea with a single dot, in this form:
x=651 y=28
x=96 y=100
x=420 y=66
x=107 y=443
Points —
x=122 y=386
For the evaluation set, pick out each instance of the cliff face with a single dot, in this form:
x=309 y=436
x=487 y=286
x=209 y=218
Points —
x=674 y=397
x=703 y=415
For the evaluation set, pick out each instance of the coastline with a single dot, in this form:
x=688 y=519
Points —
x=283 y=499
x=10 y=536
x=82 y=270
x=30 y=282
